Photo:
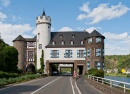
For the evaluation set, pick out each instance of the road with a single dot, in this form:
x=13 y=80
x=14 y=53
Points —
x=48 y=85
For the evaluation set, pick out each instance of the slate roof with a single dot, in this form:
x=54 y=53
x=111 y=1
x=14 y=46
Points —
x=31 y=39
x=19 y=38
x=96 y=34
x=67 y=37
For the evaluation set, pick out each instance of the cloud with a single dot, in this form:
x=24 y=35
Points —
x=92 y=28
x=85 y=8
x=103 y=12
x=15 y=18
x=5 y=3
x=66 y=29
x=112 y=36
x=9 y=31
x=117 y=44
x=2 y=16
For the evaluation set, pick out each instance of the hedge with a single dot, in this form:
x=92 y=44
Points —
x=5 y=81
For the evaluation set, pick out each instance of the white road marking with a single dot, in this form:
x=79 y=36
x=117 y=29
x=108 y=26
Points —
x=45 y=85
x=72 y=86
x=77 y=88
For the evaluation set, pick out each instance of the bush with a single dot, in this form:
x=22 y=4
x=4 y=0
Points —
x=96 y=72
x=128 y=75
x=8 y=75
x=5 y=81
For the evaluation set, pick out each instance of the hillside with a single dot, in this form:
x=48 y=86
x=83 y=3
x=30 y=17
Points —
x=117 y=61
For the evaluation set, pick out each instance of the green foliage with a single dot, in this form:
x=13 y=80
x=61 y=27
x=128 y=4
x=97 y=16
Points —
x=55 y=67
x=128 y=75
x=96 y=72
x=35 y=60
x=117 y=61
x=5 y=81
x=8 y=75
x=8 y=57
x=42 y=61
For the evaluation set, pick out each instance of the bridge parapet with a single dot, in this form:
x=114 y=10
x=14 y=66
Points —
x=109 y=86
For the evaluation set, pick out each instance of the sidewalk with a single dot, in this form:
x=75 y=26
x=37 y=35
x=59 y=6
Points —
x=85 y=87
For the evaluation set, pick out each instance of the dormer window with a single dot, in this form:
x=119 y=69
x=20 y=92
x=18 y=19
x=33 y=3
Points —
x=82 y=42
x=71 y=42
x=73 y=36
x=61 y=36
x=53 y=43
x=62 y=43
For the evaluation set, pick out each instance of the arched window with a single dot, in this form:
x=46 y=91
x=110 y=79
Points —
x=62 y=42
x=71 y=42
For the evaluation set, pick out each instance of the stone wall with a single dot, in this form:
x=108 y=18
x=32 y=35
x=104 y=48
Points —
x=106 y=88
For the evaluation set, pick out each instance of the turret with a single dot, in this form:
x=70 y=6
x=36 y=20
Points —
x=43 y=27
x=20 y=44
x=94 y=45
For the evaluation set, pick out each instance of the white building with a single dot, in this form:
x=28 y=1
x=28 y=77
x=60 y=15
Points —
x=68 y=47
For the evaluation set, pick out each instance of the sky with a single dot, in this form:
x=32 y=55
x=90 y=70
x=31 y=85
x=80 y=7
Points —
x=109 y=17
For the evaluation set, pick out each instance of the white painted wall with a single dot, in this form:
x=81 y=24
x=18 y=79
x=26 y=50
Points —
x=62 y=52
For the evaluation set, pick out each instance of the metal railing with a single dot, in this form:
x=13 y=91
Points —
x=112 y=83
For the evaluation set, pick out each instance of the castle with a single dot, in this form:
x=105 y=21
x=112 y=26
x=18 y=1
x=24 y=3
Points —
x=80 y=49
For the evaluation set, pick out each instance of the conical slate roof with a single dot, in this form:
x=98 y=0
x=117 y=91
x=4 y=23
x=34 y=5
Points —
x=96 y=34
x=19 y=38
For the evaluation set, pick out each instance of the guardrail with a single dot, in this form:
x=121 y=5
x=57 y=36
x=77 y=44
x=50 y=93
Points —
x=112 y=83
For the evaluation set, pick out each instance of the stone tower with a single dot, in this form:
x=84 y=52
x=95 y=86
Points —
x=20 y=44
x=43 y=28
x=94 y=45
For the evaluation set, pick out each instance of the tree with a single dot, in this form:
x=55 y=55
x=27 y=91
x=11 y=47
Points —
x=10 y=59
x=42 y=61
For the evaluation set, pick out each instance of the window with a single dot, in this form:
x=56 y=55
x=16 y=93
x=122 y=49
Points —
x=53 y=43
x=90 y=40
x=61 y=36
x=97 y=65
x=98 y=39
x=71 y=42
x=81 y=54
x=98 y=52
x=54 y=53
x=73 y=36
x=103 y=65
x=88 y=52
x=88 y=65
x=68 y=54
x=62 y=43
x=82 y=42
x=40 y=46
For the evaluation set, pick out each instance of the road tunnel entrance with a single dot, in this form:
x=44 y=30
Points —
x=80 y=68
x=63 y=69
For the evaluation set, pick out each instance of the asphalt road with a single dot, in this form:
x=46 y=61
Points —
x=48 y=85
